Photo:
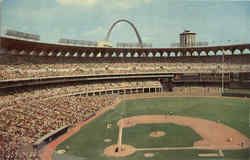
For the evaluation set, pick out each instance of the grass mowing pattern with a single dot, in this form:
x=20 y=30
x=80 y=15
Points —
x=89 y=141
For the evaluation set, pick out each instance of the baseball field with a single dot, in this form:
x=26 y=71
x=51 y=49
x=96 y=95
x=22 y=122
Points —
x=164 y=129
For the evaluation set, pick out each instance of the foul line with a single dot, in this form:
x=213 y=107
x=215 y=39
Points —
x=169 y=148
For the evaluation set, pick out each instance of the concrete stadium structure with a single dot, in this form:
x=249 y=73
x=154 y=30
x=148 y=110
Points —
x=15 y=46
x=35 y=77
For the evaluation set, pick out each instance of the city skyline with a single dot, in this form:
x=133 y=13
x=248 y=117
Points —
x=158 y=22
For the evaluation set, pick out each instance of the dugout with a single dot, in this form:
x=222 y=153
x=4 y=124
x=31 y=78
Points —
x=50 y=137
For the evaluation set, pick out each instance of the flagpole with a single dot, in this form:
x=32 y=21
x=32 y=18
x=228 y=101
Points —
x=222 y=72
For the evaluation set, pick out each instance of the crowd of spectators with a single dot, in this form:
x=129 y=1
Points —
x=26 y=122
x=14 y=67
x=40 y=92
x=27 y=114
x=12 y=148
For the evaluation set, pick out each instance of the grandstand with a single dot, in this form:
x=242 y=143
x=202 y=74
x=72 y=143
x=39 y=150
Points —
x=43 y=93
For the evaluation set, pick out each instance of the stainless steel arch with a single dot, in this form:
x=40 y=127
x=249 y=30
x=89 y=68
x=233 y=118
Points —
x=131 y=24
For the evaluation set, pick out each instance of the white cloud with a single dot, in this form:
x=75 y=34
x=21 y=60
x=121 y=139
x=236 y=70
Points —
x=97 y=31
x=77 y=2
x=104 y=4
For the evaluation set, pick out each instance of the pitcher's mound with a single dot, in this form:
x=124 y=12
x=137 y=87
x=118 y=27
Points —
x=125 y=150
x=157 y=134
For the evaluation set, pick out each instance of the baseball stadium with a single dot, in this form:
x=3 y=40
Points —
x=89 y=100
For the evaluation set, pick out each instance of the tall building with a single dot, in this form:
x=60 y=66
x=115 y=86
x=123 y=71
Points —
x=187 y=39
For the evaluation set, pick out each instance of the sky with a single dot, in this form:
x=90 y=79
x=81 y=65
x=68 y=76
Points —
x=158 y=21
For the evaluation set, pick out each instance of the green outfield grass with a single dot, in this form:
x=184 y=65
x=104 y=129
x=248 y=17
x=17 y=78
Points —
x=138 y=136
x=88 y=143
x=239 y=91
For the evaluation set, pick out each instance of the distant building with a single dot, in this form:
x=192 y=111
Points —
x=23 y=35
x=187 y=39
x=104 y=44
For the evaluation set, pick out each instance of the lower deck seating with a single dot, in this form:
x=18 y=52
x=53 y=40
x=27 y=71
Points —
x=25 y=123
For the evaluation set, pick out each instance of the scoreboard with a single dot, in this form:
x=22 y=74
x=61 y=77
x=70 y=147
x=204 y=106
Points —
x=18 y=34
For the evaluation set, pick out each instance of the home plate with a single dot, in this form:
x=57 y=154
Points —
x=61 y=151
